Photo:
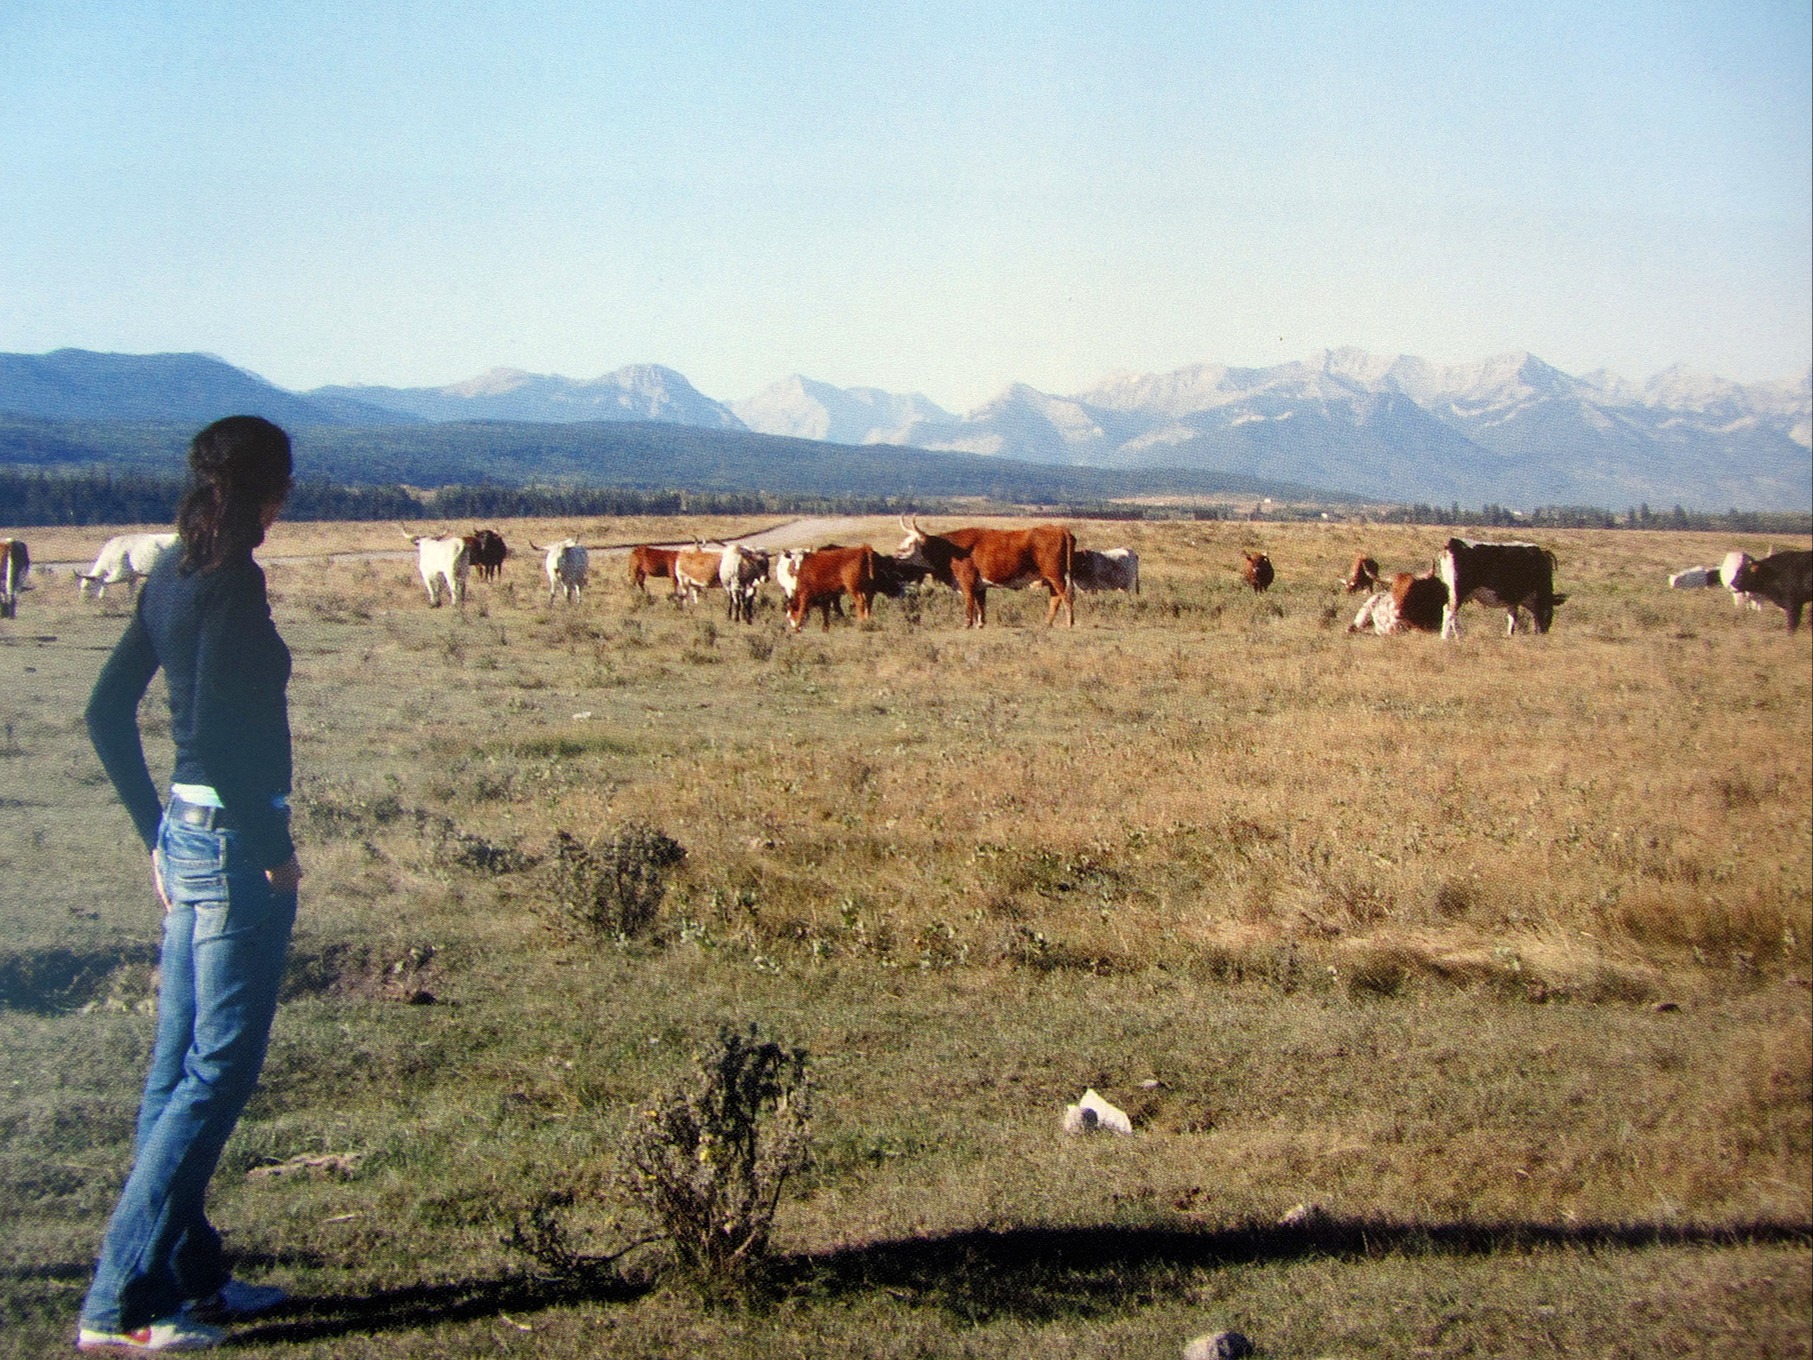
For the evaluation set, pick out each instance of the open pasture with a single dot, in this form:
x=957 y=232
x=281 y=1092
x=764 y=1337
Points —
x=1494 y=951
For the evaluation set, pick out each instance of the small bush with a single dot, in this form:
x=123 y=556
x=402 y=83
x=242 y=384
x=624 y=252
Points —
x=708 y=1161
x=612 y=887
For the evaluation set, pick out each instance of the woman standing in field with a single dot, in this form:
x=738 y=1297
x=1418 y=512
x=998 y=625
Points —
x=225 y=870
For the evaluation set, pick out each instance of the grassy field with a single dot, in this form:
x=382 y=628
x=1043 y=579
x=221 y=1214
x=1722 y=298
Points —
x=1495 y=953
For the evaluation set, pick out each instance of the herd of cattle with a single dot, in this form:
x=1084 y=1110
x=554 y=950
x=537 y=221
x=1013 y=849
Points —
x=1515 y=577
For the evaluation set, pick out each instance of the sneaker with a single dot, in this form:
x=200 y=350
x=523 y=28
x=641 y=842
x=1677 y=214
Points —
x=237 y=1299
x=179 y=1333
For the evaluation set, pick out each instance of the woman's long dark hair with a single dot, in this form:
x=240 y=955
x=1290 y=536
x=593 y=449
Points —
x=237 y=467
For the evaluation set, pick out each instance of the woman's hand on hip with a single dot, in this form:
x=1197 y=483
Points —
x=286 y=877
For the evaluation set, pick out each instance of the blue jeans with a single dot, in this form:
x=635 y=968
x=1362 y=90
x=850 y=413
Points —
x=225 y=937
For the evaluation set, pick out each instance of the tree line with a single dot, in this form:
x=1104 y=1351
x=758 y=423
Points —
x=127 y=496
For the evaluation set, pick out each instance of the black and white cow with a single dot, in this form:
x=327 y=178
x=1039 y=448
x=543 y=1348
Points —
x=1511 y=576
x=1783 y=578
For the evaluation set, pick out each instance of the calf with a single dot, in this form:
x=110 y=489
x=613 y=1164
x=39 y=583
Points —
x=1106 y=569
x=125 y=557
x=15 y=562
x=894 y=577
x=971 y=560
x=823 y=576
x=1512 y=576
x=443 y=562
x=486 y=550
x=741 y=572
x=647 y=560
x=1410 y=604
x=567 y=564
x=786 y=575
x=1783 y=578
x=696 y=569
x=1256 y=571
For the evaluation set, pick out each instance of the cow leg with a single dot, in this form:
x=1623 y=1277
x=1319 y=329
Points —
x=1511 y=621
x=1450 y=622
x=1794 y=611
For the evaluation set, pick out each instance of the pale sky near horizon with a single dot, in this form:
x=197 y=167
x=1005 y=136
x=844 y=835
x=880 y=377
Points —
x=917 y=196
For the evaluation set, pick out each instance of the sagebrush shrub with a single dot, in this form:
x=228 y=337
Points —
x=612 y=886
x=708 y=1160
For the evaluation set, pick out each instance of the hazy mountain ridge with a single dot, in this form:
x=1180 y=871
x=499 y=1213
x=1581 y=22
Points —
x=635 y=392
x=1510 y=429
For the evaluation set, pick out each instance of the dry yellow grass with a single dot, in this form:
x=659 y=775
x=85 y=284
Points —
x=1389 y=919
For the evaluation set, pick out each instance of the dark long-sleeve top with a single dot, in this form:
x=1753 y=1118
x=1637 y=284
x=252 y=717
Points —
x=227 y=671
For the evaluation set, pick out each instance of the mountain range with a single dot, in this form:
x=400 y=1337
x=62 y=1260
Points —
x=1511 y=430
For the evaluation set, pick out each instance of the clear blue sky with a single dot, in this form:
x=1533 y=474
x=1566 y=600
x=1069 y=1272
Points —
x=941 y=197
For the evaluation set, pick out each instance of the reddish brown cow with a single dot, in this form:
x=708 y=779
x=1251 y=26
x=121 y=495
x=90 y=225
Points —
x=1256 y=571
x=1409 y=604
x=971 y=560
x=1362 y=575
x=646 y=561
x=823 y=576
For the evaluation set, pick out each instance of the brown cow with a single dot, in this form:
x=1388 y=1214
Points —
x=821 y=577
x=1256 y=571
x=1409 y=604
x=1362 y=575
x=696 y=569
x=647 y=561
x=971 y=560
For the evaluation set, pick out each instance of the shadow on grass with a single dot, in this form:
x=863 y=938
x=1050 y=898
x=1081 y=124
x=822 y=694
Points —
x=1033 y=1274
x=1038 y=1274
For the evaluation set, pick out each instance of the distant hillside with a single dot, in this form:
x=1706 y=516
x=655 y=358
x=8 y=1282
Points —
x=639 y=392
x=1510 y=430
x=637 y=455
x=79 y=384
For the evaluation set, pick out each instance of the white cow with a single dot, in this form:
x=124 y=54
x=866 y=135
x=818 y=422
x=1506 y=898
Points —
x=1695 y=578
x=443 y=562
x=1735 y=562
x=741 y=572
x=1106 y=569
x=125 y=557
x=567 y=563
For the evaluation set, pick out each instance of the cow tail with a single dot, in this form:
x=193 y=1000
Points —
x=1070 y=577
